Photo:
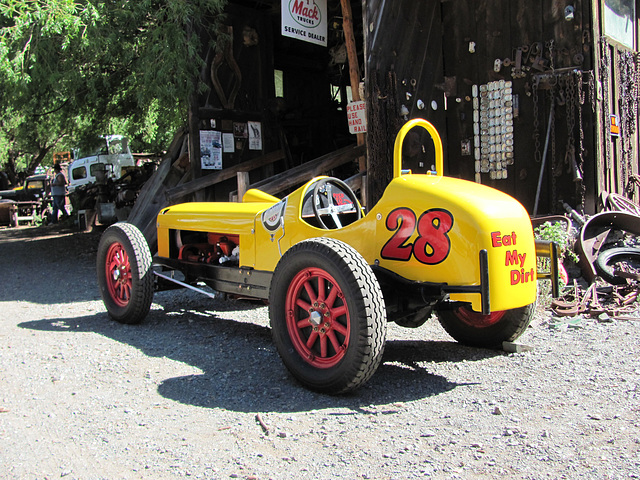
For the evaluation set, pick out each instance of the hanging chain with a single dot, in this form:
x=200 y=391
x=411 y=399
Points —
x=536 y=121
x=605 y=62
x=581 y=188
x=628 y=112
x=569 y=158
x=555 y=171
x=550 y=44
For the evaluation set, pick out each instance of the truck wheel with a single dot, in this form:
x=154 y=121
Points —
x=487 y=331
x=124 y=273
x=328 y=318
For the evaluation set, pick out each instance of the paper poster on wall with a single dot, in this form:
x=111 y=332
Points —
x=211 y=150
x=305 y=20
x=255 y=135
x=227 y=143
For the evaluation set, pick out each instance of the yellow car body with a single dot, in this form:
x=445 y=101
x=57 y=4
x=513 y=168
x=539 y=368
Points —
x=334 y=277
x=425 y=228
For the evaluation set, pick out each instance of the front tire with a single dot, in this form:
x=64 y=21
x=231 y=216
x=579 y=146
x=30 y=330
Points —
x=328 y=318
x=124 y=273
x=486 y=331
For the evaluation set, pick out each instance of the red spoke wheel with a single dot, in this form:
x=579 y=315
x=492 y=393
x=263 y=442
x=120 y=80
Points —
x=488 y=331
x=327 y=314
x=118 y=274
x=124 y=273
x=317 y=318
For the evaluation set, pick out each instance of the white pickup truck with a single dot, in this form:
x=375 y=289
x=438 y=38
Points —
x=111 y=159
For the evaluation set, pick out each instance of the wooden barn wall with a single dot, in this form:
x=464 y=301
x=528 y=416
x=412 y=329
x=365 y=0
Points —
x=450 y=46
x=404 y=79
x=618 y=73
x=239 y=84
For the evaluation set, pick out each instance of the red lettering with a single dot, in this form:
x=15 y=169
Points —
x=403 y=221
x=499 y=240
x=495 y=239
x=300 y=9
x=520 y=276
x=511 y=258
x=521 y=257
x=433 y=244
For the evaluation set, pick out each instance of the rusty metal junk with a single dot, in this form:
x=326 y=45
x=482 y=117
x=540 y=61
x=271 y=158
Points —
x=608 y=246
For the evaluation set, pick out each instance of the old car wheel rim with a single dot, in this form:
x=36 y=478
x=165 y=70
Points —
x=317 y=318
x=478 y=320
x=118 y=273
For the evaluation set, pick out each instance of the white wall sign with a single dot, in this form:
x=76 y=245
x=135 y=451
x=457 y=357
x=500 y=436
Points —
x=210 y=150
x=305 y=20
x=357 y=117
x=255 y=135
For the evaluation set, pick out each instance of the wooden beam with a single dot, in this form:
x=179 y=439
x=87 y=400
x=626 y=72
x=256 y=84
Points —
x=194 y=139
x=222 y=175
x=354 y=67
x=307 y=171
x=151 y=198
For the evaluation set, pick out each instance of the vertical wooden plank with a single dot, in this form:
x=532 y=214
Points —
x=404 y=68
x=354 y=68
x=460 y=65
x=243 y=184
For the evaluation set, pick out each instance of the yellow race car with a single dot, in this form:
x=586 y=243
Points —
x=334 y=277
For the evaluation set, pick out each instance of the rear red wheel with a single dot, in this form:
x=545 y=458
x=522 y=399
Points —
x=478 y=320
x=124 y=273
x=488 y=331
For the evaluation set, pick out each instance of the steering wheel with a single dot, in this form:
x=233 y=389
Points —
x=323 y=189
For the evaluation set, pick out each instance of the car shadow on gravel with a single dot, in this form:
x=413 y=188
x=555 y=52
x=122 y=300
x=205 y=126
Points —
x=243 y=372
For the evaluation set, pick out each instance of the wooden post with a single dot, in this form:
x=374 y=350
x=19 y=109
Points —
x=243 y=184
x=354 y=68
x=194 y=144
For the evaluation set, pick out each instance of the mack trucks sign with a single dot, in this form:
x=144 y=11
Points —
x=305 y=20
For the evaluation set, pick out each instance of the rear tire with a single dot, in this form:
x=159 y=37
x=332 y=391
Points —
x=124 y=273
x=487 y=331
x=327 y=314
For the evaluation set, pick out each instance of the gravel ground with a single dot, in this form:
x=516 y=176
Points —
x=198 y=391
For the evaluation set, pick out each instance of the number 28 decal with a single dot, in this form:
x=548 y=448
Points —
x=432 y=245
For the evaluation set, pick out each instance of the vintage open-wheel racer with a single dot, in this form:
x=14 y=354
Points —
x=334 y=277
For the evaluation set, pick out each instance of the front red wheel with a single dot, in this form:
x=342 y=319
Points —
x=124 y=273
x=328 y=316
x=118 y=274
x=317 y=318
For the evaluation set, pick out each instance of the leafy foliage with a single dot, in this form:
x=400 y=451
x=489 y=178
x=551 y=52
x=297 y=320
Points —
x=71 y=70
x=557 y=232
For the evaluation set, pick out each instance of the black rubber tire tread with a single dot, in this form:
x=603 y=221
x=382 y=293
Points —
x=507 y=329
x=612 y=255
x=368 y=318
x=137 y=248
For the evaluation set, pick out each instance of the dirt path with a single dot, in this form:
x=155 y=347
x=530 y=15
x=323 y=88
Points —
x=189 y=392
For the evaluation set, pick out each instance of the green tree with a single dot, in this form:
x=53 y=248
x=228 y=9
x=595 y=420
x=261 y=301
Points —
x=72 y=70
